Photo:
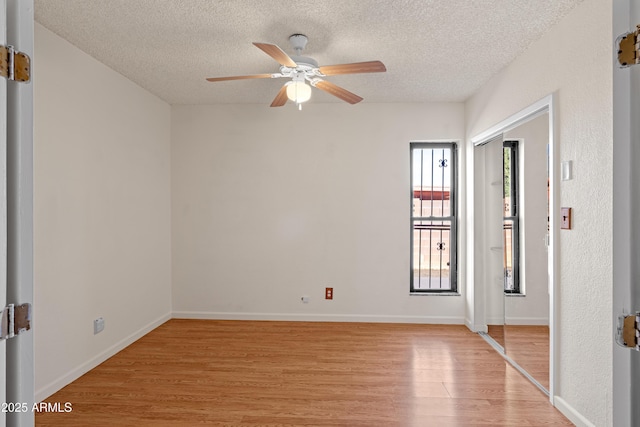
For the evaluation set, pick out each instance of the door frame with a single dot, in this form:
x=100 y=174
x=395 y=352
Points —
x=544 y=105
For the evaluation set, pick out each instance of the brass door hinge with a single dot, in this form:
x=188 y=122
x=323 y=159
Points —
x=14 y=320
x=628 y=334
x=14 y=65
x=629 y=48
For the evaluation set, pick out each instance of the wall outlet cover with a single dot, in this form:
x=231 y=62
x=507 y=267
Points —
x=98 y=325
x=328 y=293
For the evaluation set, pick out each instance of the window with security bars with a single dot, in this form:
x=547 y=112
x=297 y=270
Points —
x=511 y=222
x=433 y=217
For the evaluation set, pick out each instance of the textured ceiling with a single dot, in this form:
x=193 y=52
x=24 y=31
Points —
x=434 y=50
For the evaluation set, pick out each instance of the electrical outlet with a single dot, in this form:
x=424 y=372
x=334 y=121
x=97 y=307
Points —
x=305 y=299
x=328 y=293
x=98 y=325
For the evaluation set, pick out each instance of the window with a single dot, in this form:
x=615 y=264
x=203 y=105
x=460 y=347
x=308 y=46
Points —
x=433 y=218
x=511 y=222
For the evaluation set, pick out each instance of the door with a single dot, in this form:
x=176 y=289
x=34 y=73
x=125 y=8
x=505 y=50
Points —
x=482 y=260
x=527 y=332
x=17 y=213
x=634 y=109
x=3 y=206
x=626 y=208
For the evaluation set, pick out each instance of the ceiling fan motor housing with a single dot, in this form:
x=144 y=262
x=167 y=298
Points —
x=305 y=65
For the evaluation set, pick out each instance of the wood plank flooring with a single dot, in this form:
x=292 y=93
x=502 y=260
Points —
x=247 y=374
x=528 y=346
x=497 y=333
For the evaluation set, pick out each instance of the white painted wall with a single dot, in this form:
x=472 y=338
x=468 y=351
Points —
x=273 y=204
x=102 y=211
x=533 y=308
x=557 y=63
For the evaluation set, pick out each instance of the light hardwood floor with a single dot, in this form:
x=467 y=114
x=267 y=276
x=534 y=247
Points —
x=245 y=373
x=529 y=347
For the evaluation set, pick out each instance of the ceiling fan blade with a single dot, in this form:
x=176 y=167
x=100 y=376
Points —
x=354 y=68
x=252 y=76
x=337 y=91
x=281 y=97
x=276 y=53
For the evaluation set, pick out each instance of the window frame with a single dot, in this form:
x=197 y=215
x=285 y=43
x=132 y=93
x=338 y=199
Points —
x=452 y=218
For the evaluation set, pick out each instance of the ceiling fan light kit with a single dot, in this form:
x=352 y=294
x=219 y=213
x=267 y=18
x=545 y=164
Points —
x=298 y=91
x=302 y=69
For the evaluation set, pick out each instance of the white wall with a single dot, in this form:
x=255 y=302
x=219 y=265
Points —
x=557 y=63
x=273 y=204
x=102 y=211
x=533 y=308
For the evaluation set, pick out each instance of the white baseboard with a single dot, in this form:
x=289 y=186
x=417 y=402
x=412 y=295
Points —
x=475 y=327
x=536 y=321
x=520 y=321
x=304 y=317
x=495 y=321
x=569 y=411
x=76 y=373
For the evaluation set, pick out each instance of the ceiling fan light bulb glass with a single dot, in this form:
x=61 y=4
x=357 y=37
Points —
x=298 y=92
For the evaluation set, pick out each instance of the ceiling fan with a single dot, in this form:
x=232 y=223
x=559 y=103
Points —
x=301 y=69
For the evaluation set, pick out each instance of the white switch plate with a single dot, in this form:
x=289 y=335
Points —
x=567 y=170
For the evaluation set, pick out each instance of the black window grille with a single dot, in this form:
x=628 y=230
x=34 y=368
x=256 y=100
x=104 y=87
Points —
x=433 y=218
x=511 y=221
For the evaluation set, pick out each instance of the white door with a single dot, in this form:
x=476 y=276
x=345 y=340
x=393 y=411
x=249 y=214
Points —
x=634 y=109
x=16 y=170
x=626 y=206
x=3 y=206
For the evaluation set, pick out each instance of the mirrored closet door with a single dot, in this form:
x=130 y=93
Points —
x=511 y=235
x=494 y=242
x=526 y=230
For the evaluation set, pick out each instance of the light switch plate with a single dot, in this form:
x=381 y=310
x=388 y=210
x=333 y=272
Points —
x=565 y=218
x=567 y=170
